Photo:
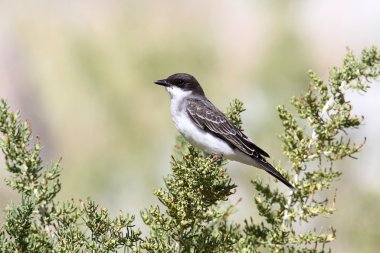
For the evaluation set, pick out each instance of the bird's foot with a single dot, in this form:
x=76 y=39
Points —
x=218 y=159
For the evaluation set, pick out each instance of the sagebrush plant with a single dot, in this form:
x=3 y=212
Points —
x=194 y=214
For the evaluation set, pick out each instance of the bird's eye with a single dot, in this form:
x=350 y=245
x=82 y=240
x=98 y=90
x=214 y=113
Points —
x=180 y=82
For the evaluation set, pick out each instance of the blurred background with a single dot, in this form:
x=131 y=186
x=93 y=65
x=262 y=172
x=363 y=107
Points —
x=82 y=73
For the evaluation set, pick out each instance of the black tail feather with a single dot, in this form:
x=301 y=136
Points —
x=271 y=170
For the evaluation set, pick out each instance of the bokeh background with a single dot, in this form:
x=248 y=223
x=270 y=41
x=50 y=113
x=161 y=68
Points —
x=81 y=72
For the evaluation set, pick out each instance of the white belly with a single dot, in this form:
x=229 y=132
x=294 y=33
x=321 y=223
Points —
x=198 y=137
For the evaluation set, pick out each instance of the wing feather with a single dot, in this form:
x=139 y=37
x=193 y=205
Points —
x=206 y=116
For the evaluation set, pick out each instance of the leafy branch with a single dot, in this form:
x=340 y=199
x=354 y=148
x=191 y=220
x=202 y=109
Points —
x=193 y=214
x=313 y=139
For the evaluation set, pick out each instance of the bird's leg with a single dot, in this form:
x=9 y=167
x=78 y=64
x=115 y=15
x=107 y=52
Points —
x=218 y=158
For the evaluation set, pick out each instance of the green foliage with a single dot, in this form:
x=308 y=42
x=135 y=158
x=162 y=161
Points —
x=313 y=139
x=37 y=223
x=192 y=218
x=194 y=214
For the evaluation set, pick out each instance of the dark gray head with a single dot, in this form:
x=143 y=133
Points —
x=183 y=81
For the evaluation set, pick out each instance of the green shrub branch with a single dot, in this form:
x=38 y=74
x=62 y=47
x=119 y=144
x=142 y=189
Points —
x=194 y=214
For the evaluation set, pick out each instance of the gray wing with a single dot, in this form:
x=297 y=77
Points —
x=206 y=116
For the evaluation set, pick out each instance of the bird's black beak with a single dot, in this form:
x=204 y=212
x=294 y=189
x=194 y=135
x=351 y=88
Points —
x=162 y=82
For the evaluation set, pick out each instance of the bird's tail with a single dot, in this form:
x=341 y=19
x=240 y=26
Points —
x=271 y=170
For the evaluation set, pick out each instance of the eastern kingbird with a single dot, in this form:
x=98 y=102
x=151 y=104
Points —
x=207 y=128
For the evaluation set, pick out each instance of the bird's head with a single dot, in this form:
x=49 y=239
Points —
x=181 y=83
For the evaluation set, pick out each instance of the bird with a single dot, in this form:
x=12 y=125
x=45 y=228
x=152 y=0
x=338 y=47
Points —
x=205 y=127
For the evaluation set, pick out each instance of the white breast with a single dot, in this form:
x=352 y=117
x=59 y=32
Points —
x=193 y=134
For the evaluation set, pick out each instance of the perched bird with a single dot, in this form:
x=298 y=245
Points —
x=207 y=128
